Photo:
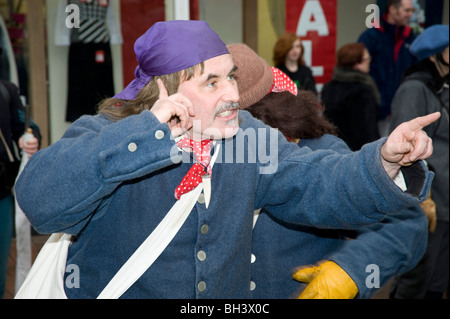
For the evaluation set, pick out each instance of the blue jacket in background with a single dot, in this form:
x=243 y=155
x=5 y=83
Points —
x=395 y=245
x=389 y=49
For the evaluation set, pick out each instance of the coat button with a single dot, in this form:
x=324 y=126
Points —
x=201 y=198
x=253 y=258
x=201 y=286
x=204 y=230
x=159 y=135
x=252 y=285
x=132 y=147
x=201 y=255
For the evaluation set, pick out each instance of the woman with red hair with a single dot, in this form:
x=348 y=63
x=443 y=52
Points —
x=288 y=57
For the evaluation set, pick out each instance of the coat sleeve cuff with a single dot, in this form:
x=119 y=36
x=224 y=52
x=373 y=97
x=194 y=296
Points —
x=417 y=179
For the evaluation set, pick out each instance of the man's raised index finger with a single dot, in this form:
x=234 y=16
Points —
x=420 y=122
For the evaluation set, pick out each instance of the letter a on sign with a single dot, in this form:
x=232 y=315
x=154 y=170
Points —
x=312 y=19
x=315 y=21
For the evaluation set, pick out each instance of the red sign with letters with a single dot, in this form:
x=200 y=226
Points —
x=314 y=21
x=136 y=17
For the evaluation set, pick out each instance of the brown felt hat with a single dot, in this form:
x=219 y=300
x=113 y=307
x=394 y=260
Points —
x=254 y=75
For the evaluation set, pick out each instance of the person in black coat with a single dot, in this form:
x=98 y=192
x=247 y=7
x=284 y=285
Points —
x=12 y=128
x=351 y=99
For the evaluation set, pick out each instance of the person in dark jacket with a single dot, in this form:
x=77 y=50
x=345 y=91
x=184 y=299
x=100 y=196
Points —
x=11 y=130
x=389 y=47
x=425 y=90
x=351 y=99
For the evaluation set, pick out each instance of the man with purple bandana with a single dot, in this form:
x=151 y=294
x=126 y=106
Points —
x=113 y=177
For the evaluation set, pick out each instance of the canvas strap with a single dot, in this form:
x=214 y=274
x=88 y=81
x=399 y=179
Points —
x=155 y=244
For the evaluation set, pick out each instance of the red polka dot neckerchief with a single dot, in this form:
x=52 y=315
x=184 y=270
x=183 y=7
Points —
x=202 y=153
x=281 y=82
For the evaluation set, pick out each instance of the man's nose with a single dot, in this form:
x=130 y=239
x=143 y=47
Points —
x=231 y=93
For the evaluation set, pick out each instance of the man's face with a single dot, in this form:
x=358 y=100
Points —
x=402 y=14
x=214 y=96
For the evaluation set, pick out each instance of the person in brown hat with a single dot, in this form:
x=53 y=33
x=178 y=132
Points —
x=279 y=248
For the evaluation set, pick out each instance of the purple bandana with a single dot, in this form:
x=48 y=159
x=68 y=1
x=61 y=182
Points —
x=169 y=47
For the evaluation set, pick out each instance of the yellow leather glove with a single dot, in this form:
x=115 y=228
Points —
x=326 y=281
x=429 y=207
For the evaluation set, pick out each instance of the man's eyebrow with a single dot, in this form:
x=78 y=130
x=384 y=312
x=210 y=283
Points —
x=215 y=76
x=211 y=76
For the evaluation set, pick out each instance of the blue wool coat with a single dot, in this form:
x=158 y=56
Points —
x=395 y=245
x=111 y=183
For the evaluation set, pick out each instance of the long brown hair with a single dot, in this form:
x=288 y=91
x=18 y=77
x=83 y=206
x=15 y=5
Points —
x=117 y=109
x=295 y=116
x=283 y=46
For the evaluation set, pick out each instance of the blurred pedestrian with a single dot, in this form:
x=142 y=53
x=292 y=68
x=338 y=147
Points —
x=11 y=130
x=424 y=91
x=351 y=100
x=388 y=46
x=288 y=55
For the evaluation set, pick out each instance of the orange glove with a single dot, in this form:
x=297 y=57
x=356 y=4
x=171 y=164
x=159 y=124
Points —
x=429 y=207
x=326 y=281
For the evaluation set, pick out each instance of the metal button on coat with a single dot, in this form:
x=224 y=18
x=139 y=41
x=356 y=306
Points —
x=132 y=147
x=201 y=255
x=204 y=230
x=159 y=135
x=252 y=285
x=201 y=286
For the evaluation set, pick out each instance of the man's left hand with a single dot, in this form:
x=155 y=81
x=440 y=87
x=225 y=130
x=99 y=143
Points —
x=407 y=144
x=326 y=281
